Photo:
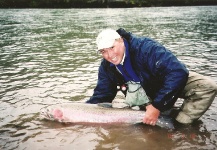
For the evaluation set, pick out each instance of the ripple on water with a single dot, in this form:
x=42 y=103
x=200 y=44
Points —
x=47 y=56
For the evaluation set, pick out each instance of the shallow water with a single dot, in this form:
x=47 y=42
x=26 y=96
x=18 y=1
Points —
x=47 y=57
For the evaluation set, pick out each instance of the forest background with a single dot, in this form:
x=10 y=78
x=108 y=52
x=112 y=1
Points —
x=100 y=3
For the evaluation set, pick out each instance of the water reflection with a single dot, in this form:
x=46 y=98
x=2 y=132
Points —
x=47 y=57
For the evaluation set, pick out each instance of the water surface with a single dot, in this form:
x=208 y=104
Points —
x=47 y=56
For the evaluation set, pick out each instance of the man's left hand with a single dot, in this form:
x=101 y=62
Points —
x=151 y=115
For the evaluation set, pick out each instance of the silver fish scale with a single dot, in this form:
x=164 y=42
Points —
x=92 y=113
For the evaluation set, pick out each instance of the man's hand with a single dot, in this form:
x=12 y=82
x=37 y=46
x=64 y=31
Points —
x=151 y=115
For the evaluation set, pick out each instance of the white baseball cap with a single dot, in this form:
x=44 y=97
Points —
x=106 y=38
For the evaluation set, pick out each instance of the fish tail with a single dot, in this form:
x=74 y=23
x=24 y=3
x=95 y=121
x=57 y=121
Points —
x=165 y=122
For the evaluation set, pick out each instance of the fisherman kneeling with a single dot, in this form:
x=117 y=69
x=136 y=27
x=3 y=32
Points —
x=154 y=76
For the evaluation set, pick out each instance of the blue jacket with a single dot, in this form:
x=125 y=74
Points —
x=161 y=74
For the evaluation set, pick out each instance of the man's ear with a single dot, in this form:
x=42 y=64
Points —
x=121 y=39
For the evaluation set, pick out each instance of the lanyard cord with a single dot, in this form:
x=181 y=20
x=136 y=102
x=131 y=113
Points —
x=127 y=74
x=125 y=71
x=134 y=84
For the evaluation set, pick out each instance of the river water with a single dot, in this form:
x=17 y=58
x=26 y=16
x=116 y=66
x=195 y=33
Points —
x=47 y=57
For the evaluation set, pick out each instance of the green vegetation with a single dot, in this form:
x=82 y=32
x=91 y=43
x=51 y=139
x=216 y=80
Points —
x=100 y=3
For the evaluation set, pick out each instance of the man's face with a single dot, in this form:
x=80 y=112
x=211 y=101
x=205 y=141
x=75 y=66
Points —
x=115 y=53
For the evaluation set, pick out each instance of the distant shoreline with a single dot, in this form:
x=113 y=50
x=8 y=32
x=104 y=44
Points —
x=101 y=3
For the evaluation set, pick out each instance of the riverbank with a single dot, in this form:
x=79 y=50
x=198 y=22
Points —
x=101 y=3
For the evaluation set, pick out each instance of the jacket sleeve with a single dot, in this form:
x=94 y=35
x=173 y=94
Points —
x=106 y=89
x=171 y=73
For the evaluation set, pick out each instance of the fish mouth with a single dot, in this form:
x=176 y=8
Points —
x=46 y=114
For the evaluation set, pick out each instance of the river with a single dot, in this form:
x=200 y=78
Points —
x=47 y=56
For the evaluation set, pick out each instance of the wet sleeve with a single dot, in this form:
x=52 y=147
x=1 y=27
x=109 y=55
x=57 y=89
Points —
x=171 y=72
x=105 y=90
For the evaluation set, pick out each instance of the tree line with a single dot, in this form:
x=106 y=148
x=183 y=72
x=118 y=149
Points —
x=100 y=3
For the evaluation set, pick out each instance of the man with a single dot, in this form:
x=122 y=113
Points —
x=154 y=76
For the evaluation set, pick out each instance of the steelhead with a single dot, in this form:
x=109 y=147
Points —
x=93 y=113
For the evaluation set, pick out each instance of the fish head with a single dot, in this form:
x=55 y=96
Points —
x=53 y=114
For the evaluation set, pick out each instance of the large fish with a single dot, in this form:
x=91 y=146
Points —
x=93 y=113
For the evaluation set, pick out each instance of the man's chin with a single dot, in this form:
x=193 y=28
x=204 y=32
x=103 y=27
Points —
x=116 y=63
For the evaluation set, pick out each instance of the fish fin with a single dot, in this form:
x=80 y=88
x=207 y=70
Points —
x=105 y=105
x=119 y=103
x=135 y=108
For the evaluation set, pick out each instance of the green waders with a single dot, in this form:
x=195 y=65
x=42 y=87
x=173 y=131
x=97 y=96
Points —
x=198 y=95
